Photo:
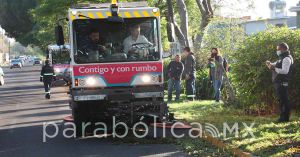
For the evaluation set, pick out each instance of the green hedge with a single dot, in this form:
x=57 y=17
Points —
x=252 y=79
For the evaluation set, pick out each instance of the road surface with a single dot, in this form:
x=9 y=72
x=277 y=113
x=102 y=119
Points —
x=23 y=110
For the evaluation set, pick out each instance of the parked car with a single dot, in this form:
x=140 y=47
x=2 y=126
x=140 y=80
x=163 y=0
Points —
x=22 y=59
x=1 y=77
x=30 y=60
x=16 y=63
x=37 y=61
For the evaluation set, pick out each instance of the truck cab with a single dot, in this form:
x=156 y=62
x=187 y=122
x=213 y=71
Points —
x=116 y=63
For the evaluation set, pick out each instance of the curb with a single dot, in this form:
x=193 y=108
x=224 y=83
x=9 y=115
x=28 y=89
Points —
x=218 y=143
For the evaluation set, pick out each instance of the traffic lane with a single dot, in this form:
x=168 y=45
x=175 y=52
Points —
x=27 y=92
x=31 y=106
x=23 y=93
x=32 y=146
x=24 y=110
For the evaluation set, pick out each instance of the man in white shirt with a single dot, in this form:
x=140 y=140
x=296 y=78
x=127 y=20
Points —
x=280 y=78
x=135 y=37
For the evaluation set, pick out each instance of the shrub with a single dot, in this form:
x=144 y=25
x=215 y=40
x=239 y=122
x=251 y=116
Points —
x=251 y=77
x=204 y=89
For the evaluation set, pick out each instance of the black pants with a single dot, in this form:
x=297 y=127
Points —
x=284 y=104
x=47 y=85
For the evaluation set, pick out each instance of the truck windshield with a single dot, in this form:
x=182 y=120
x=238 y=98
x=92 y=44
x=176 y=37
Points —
x=60 y=56
x=99 y=40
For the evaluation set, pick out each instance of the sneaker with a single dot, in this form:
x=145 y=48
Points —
x=282 y=121
x=191 y=99
x=47 y=96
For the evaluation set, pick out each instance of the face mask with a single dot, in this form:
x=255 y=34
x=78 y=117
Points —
x=278 y=53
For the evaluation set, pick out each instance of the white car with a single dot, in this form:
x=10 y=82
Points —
x=1 y=77
x=16 y=63
x=37 y=61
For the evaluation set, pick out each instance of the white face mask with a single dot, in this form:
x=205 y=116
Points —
x=278 y=53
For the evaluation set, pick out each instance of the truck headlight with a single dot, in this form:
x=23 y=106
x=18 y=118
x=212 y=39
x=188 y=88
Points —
x=74 y=12
x=155 y=10
x=146 y=78
x=90 y=81
x=57 y=70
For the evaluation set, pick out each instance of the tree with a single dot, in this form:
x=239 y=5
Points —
x=207 y=14
x=225 y=34
x=251 y=77
x=172 y=23
x=14 y=18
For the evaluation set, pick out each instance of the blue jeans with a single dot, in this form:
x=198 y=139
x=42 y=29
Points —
x=173 y=83
x=217 y=89
x=191 y=87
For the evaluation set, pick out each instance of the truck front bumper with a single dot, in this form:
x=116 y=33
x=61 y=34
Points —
x=117 y=94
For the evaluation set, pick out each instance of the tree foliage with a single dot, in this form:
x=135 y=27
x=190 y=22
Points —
x=225 y=34
x=252 y=79
x=48 y=12
x=16 y=20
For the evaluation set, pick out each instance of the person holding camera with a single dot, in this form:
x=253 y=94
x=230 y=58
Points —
x=175 y=70
x=216 y=71
x=281 y=70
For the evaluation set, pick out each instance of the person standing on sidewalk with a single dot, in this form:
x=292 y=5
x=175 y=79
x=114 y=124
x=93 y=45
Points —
x=216 y=72
x=190 y=73
x=175 y=70
x=281 y=70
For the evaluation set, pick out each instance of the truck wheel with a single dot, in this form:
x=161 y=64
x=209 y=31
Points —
x=78 y=118
x=79 y=113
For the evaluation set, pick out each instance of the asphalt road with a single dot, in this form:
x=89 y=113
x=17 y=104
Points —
x=23 y=110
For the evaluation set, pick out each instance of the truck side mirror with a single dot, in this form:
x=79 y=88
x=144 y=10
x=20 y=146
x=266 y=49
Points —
x=59 y=35
x=170 y=32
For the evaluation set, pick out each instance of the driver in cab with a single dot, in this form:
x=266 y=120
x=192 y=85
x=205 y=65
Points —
x=134 y=38
x=92 y=47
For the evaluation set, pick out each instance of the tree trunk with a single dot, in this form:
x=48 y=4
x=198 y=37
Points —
x=171 y=19
x=184 y=23
x=206 y=14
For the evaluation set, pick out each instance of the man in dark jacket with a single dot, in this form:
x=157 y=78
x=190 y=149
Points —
x=281 y=71
x=92 y=47
x=190 y=73
x=175 y=69
x=47 y=76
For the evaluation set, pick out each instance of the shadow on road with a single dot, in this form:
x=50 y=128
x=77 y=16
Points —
x=15 y=89
x=31 y=109
x=28 y=142
x=46 y=114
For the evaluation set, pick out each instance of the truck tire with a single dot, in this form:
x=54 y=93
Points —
x=79 y=116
